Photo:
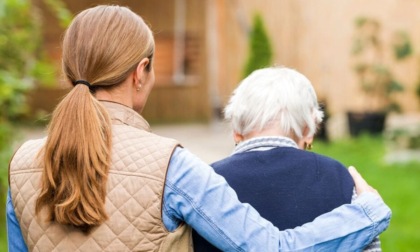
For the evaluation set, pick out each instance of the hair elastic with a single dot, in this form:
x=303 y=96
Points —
x=86 y=83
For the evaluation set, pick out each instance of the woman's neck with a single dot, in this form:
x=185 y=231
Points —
x=119 y=94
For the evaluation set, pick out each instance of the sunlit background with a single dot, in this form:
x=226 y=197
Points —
x=362 y=56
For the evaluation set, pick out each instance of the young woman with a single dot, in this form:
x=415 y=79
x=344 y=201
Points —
x=101 y=181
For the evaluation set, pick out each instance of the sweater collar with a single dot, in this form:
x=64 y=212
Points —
x=120 y=113
x=264 y=143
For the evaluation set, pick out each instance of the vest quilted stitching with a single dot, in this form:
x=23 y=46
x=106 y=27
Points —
x=134 y=199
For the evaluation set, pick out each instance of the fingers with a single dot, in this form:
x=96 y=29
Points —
x=361 y=184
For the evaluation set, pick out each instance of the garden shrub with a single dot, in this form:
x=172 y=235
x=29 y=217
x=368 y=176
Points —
x=260 y=52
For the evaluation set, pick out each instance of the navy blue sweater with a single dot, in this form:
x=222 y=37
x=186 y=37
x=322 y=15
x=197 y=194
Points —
x=287 y=186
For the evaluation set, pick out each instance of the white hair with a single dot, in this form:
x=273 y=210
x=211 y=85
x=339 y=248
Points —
x=274 y=96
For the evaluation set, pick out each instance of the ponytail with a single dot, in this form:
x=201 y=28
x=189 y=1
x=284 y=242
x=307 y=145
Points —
x=101 y=45
x=76 y=157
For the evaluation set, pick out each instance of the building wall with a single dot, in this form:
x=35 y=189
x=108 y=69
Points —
x=325 y=40
x=185 y=100
x=315 y=37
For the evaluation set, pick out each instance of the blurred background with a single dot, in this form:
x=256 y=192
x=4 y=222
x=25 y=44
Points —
x=363 y=58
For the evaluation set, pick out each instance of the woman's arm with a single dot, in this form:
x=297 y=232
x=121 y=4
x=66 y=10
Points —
x=14 y=234
x=375 y=245
x=195 y=194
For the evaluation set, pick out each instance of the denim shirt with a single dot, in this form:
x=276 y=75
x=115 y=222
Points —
x=196 y=195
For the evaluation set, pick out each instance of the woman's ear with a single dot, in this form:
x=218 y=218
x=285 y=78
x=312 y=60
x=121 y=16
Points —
x=141 y=71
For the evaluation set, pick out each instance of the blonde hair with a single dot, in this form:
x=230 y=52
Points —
x=102 y=46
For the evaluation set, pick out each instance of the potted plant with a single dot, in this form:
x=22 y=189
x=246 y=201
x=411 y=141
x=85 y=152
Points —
x=376 y=80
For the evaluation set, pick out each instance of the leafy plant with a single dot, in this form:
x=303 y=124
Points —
x=63 y=14
x=23 y=65
x=260 y=51
x=402 y=45
x=20 y=40
x=6 y=135
x=375 y=76
x=23 y=61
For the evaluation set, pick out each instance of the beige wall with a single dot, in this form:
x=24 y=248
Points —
x=235 y=18
x=315 y=37
x=325 y=40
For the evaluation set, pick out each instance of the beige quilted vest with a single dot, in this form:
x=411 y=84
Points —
x=134 y=200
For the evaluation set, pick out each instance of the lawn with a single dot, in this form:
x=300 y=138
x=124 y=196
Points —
x=398 y=185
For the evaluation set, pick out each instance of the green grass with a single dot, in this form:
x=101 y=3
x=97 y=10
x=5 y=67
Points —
x=398 y=184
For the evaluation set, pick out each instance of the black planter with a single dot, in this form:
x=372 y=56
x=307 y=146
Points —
x=322 y=132
x=369 y=122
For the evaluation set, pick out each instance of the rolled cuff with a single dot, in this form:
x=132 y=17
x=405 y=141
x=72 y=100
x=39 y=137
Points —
x=376 y=209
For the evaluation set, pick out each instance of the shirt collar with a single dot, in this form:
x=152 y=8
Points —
x=264 y=143
x=121 y=114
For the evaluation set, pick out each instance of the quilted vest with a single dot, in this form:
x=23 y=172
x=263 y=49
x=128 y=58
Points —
x=134 y=194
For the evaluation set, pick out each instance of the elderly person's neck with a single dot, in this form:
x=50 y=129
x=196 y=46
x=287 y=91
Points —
x=272 y=132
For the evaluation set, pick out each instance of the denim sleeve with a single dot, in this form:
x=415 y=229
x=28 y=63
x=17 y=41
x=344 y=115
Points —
x=375 y=245
x=195 y=194
x=15 y=240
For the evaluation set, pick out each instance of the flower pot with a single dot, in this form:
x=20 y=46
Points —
x=368 y=122
x=322 y=132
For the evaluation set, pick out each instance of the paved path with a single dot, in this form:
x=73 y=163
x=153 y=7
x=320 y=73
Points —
x=210 y=142
x=213 y=141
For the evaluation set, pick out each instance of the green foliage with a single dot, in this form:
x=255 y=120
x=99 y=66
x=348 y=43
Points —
x=375 y=76
x=63 y=15
x=23 y=64
x=6 y=137
x=12 y=96
x=418 y=90
x=260 y=53
x=367 y=36
x=360 y=21
x=402 y=45
x=21 y=56
x=23 y=61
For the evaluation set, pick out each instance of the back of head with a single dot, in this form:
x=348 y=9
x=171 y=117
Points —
x=104 y=44
x=274 y=97
x=101 y=46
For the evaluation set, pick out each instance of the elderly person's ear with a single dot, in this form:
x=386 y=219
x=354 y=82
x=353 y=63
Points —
x=237 y=138
x=306 y=141
x=307 y=145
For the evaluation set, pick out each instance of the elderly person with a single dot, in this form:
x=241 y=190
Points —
x=101 y=181
x=274 y=114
